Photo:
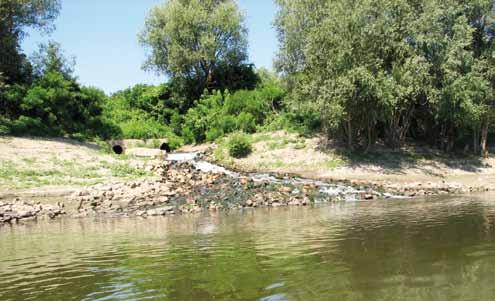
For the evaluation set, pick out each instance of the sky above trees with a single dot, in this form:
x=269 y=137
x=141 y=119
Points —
x=102 y=35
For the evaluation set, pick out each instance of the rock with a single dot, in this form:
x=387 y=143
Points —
x=84 y=193
x=140 y=213
x=162 y=200
x=19 y=210
x=368 y=197
x=160 y=211
x=295 y=203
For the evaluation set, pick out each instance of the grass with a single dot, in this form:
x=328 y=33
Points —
x=272 y=164
x=287 y=152
x=270 y=141
x=269 y=147
x=32 y=173
x=334 y=163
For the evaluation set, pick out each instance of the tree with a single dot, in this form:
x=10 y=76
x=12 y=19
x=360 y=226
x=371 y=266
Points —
x=194 y=41
x=390 y=69
x=15 y=17
x=50 y=58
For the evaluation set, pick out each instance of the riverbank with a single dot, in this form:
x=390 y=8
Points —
x=411 y=169
x=152 y=186
x=31 y=167
x=188 y=186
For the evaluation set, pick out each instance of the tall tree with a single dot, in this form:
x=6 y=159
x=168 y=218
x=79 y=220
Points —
x=15 y=17
x=388 y=68
x=193 y=40
x=51 y=58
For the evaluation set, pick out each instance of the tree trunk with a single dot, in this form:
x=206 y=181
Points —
x=349 y=134
x=369 y=138
x=484 y=137
x=476 y=141
x=450 y=138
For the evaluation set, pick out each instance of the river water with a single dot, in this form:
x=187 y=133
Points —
x=436 y=249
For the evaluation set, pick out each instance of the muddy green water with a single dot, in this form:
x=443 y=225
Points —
x=384 y=250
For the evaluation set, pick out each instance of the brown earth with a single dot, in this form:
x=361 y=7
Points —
x=413 y=167
x=56 y=167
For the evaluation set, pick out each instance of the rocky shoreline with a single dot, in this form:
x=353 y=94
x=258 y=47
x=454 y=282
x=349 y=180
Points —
x=183 y=188
x=17 y=210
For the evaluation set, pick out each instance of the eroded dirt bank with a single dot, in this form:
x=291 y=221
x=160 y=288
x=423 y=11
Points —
x=412 y=168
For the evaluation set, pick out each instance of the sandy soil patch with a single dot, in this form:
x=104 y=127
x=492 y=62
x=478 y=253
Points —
x=282 y=152
x=56 y=166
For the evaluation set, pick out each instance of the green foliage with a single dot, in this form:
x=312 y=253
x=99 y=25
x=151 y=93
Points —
x=50 y=58
x=15 y=18
x=246 y=122
x=55 y=104
x=219 y=114
x=387 y=69
x=239 y=145
x=199 y=45
x=146 y=112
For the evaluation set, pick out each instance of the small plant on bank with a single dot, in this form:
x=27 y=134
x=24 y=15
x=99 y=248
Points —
x=239 y=146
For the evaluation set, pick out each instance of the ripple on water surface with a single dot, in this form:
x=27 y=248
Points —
x=385 y=250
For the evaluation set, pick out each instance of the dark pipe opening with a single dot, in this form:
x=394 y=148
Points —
x=165 y=147
x=119 y=150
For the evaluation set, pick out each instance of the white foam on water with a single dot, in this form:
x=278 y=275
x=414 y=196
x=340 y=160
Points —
x=209 y=167
x=349 y=193
x=182 y=157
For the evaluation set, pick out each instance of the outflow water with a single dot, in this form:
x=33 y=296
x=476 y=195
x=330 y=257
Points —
x=326 y=190
x=437 y=249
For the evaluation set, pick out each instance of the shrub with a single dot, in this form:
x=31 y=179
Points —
x=228 y=124
x=213 y=134
x=25 y=125
x=140 y=128
x=246 y=122
x=239 y=145
x=188 y=135
x=174 y=141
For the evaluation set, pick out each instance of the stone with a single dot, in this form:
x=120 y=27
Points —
x=368 y=197
x=140 y=213
x=159 y=211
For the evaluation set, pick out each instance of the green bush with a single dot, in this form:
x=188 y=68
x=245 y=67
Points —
x=141 y=128
x=188 y=135
x=54 y=105
x=213 y=134
x=228 y=124
x=34 y=126
x=5 y=126
x=246 y=123
x=239 y=145
x=174 y=141
x=219 y=114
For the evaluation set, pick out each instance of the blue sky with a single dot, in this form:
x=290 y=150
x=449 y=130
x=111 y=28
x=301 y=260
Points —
x=102 y=35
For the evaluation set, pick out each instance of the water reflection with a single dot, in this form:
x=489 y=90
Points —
x=387 y=250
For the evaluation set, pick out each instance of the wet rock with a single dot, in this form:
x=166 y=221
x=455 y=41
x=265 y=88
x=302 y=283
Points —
x=188 y=190
x=160 y=211
x=141 y=213
x=368 y=197
x=19 y=211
